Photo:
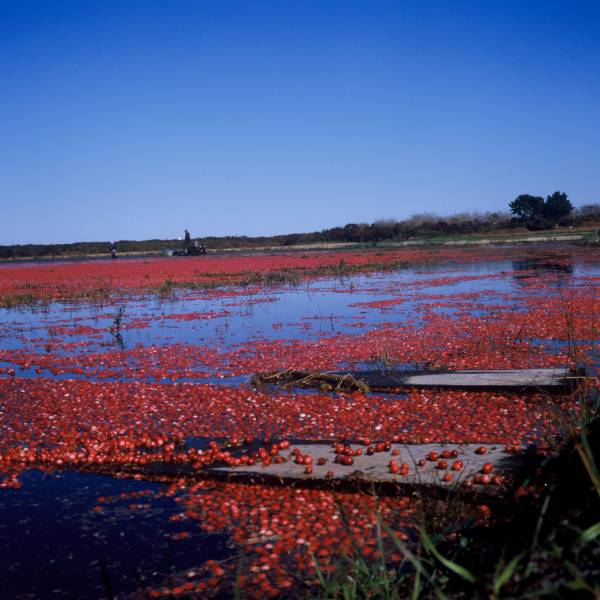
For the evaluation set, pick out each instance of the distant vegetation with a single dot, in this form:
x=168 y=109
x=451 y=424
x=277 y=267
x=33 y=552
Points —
x=537 y=213
x=528 y=211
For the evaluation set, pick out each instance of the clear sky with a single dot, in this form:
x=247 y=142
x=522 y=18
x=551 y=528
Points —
x=134 y=119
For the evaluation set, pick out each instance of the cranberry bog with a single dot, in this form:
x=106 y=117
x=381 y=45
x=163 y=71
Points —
x=123 y=383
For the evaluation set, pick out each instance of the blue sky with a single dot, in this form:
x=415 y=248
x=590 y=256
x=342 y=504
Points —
x=135 y=119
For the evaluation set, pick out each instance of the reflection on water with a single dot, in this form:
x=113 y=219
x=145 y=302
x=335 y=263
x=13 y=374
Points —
x=528 y=268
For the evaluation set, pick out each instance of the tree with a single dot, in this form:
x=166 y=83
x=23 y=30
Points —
x=526 y=207
x=557 y=206
x=351 y=232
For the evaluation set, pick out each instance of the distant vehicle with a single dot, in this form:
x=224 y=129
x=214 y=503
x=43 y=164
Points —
x=189 y=248
x=191 y=251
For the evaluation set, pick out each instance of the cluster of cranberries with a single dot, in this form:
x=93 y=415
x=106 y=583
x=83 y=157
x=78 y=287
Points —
x=61 y=423
x=88 y=279
x=283 y=532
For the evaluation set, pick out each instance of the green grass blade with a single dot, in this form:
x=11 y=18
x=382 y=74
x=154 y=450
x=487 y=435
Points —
x=237 y=588
x=450 y=565
x=384 y=572
x=540 y=521
x=415 y=561
x=587 y=457
x=318 y=570
x=506 y=574
x=416 y=591
x=590 y=534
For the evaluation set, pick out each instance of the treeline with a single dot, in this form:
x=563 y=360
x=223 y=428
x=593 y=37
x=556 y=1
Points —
x=421 y=225
x=537 y=213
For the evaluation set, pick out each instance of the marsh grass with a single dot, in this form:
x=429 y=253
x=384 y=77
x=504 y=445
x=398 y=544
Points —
x=30 y=295
x=288 y=276
x=20 y=300
x=33 y=296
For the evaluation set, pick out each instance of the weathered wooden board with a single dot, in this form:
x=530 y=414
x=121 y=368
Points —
x=367 y=473
x=467 y=379
x=375 y=468
x=385 y=380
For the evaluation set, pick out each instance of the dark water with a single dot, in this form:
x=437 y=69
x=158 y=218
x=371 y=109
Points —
x=53 y=545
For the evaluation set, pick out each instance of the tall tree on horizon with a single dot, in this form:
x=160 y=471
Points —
x=557 y=206
x=527 y=207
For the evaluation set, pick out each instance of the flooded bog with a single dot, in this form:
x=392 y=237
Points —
x=110 y=403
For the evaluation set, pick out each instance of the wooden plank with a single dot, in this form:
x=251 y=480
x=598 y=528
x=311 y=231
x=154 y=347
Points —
x=466 y=379
x=367 y=473
x=385 y=380
x=375 y=468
